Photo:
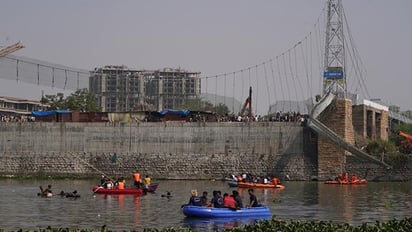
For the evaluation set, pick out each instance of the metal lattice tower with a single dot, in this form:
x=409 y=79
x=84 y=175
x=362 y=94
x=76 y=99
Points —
x=334 y=76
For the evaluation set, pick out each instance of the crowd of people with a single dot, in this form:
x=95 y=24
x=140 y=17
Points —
x=344 y=178
x=275 y=117
x=16 y=118
x=233 y=201
x=247 y=177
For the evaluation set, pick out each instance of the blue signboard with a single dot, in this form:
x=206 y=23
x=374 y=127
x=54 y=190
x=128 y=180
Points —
x=333 y=74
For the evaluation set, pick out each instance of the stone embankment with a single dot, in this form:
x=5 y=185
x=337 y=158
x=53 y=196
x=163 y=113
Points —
x=169 y=150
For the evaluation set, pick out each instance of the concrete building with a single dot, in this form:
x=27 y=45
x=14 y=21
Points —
x=17 y=109
x=120 y=89
x=370 y=120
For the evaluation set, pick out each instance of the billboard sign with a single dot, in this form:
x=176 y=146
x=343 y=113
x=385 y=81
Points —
x=338 y=74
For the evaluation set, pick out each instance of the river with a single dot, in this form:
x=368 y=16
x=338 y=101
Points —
x=21 y=208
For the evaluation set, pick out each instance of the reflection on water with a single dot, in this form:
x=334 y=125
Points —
x=22 y=208
x=213 y=224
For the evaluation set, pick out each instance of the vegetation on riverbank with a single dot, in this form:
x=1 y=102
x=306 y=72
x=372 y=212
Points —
x=399 y=225
x=47 y=176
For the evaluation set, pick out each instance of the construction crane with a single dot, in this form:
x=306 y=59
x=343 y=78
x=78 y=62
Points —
x=10 y=49
x=247 y=107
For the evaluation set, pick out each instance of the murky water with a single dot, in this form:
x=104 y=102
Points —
x=20 y=207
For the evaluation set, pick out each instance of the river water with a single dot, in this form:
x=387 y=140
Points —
x=21 y=208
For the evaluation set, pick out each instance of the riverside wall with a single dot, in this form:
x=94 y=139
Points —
x=169 y=150
x=173 y=150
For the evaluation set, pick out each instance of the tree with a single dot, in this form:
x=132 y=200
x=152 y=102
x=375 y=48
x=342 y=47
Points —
x=198 y=104
x=221 y=109
x=56 y=102
x=380 y=147
x=81 y=100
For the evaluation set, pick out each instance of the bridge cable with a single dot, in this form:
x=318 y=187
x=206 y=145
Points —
x=267 y=82
x=273 y=80
x=224 y=91
x=233 y=92
x=281 y=85
x=257 y=89
x=286 y=79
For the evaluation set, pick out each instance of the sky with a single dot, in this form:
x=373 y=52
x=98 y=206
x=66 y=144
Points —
x=211 y=37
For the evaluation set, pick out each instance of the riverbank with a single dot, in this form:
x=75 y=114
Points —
x=277 y=225
x=175 y=151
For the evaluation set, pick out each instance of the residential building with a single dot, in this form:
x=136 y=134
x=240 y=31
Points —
x=120 y=89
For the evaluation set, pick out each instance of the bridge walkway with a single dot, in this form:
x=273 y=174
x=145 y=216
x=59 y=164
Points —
x=326 y=132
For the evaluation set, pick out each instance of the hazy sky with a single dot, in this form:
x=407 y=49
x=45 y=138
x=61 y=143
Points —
x=212 y=37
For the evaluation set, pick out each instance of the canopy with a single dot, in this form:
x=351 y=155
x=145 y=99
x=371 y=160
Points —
x=177 y=112
x=49 y=112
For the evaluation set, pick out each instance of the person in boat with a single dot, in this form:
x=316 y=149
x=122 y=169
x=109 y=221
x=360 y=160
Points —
x=121 y=183
x=229 y=201
x=108 y=184
x=339 y=178
x=204 y=200
x=275 y=181
x=354 y=178
x=195 y=199
x=147 y=181
x=102 y=180
x=137 y=179
x=217 y=200
x=238 y=199
x=253 y=202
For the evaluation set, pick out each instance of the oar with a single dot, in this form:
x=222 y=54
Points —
x=94 y=191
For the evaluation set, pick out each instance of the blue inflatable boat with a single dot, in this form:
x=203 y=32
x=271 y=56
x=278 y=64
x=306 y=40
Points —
x=209 y=212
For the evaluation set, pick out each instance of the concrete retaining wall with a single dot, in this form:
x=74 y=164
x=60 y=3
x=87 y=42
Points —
x=171 y=150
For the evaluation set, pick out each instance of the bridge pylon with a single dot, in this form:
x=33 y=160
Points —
x=334 y=76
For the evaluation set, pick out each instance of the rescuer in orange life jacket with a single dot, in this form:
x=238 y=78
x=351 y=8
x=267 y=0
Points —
x=137 y=179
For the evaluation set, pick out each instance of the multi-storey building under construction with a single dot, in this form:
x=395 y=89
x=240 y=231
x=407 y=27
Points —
x=120 y=89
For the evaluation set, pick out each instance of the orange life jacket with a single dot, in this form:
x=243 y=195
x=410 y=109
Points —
x=121 y=185
x=137 y=177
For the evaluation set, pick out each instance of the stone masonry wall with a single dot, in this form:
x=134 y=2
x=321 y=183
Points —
x=331 y=158
x=170 y=150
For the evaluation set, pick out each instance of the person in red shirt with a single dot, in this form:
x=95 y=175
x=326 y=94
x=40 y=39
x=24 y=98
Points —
x=229 y=201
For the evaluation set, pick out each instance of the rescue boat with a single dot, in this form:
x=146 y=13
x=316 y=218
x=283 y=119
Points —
x=356 y=182
x=133 y=191
x=259 y=185
x=210 y=212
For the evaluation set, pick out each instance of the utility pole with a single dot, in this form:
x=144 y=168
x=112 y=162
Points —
x=334 y=75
